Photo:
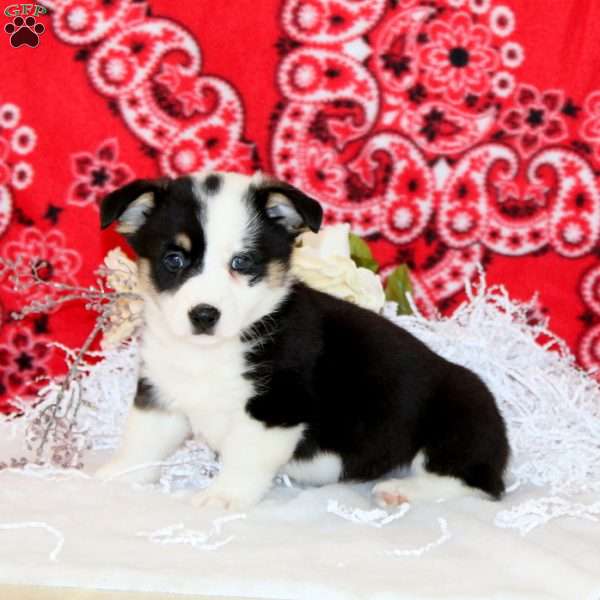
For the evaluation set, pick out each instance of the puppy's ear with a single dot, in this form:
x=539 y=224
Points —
x=130 y=205
x=291 y=207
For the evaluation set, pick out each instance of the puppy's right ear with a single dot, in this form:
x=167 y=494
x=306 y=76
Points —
x=130 y=204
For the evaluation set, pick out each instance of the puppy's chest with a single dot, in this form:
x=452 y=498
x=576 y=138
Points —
x=207 y=384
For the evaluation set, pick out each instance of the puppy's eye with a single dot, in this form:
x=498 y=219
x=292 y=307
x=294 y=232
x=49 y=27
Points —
x=174 y=261
x=242 y=263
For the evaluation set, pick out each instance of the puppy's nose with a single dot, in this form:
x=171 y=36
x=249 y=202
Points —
x=204 y=317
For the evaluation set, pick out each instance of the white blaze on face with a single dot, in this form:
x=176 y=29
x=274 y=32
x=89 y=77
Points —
x=229 y=226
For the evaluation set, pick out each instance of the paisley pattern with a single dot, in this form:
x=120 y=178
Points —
x=52 y=261
x=439 y=130
x=151 y=68
x=17 y=140
x=96 y=174
x=425 y=130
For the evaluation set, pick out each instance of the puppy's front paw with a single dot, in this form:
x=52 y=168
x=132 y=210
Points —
x=222 y=497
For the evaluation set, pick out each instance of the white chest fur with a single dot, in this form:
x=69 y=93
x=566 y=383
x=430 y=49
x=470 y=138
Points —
x=205 y=383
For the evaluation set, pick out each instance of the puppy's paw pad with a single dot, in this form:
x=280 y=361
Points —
x=428 y=488
x=390 y=493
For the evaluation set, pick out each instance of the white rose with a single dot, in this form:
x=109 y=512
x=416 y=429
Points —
x=322 y=260
x=368 y=289
x=330 y=241
x=127 y=317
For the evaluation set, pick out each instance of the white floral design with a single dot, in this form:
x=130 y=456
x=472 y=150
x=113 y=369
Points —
x=502 y=21
x=48 y=256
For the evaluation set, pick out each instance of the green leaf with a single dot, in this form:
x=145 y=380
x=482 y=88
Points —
x=398 y=285
x=361 y=254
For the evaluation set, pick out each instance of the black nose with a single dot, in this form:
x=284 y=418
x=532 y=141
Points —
x=204 y=318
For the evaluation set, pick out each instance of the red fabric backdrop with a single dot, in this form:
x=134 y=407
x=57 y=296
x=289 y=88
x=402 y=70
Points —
x=448 y=132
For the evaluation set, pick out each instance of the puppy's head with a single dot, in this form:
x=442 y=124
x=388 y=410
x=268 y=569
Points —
x=214 y=248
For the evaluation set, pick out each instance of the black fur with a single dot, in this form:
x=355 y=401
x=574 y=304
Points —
x=212 y=184
x=145 y=397
x=270 y=241
x=309 y=209
x=363 y=388
x=372 y=393
x=177 y=209
x=114 y=205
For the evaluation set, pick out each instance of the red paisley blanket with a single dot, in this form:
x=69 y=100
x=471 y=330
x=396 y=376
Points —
x=447 y=132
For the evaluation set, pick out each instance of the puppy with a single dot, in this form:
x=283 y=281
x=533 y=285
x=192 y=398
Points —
x=276 y=376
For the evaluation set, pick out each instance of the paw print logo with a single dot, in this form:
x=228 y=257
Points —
x=24 y=32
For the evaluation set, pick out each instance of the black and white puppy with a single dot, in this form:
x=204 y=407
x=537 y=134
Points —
x=274 y=375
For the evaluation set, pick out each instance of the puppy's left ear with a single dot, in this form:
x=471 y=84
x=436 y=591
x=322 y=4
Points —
x=130 y=204
x=291 y=207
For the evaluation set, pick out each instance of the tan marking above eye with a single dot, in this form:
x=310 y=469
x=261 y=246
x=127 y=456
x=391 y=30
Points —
x=183 y=241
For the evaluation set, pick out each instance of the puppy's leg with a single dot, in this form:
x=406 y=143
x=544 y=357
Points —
x=250 y=457
x=150 y=436
x=420 y=485
x=466 y=445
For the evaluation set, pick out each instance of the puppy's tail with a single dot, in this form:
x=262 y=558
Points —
x=467 y=435
x=485 y=477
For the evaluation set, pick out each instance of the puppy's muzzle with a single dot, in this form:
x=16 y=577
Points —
x=204 y=318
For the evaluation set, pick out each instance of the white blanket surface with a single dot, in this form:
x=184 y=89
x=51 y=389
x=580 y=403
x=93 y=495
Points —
x=312 y=543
